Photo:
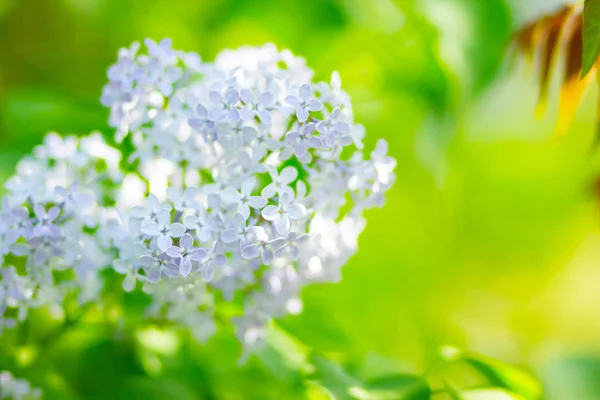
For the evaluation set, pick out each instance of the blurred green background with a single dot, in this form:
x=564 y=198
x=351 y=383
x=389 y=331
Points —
x=489 y=240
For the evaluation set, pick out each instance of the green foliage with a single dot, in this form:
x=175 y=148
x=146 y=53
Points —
x=591 y=35
x=506 y=376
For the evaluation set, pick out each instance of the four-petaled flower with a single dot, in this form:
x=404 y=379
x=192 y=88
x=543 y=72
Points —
x=303 y=139
x=151 y=209
x=244 y=199
x=304 y=103
x=204 y=123
x=186 y=254
x=161 y=265
x=256 y=106
x=282 y=214
x=262 y=247
x=227 y=106
x=333 y=125
x=201 y=224
x=241 y=231
x=280 y=181
x=45 y=225
x=163 y=230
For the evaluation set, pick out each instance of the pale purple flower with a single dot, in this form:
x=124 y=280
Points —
x=156 y=267
x=201 y=224
x=283 y=214
x=163 y=229
x=18 y=224
x=262 y=247
x=241 y=231
x=303 y=139
x=293 y=244
x=204 y=123
x=45 y=221
x=182 y=201
x=186 y=253
x=256 y=106
x=280 y=181
x=333 y=125
x=244 y=199
x=227 y=105
x=304 y=103
x=151 y=209
x=213 y=259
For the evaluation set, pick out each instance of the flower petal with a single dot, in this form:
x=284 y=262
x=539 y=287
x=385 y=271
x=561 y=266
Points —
x=186 y=241
x=177 y=230
x=230 y=235
x=151 y=228
x=295 y=211
x=198 y=254
x=288 y=175
x=305 y=92
x=164 y=242
x=219 y=260
x=250 y=252
x=257 y=201
x=174 y=252
x=139 y=212
x=208 y=273
x=270 y=212
x=185 y=266
x=147 y=261
x=302 y=114
x=283 y=224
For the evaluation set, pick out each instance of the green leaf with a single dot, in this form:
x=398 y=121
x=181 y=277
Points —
x=505 y=376
x=394 y=387
x=452 y=392
x=591 y=35
x=333 y=377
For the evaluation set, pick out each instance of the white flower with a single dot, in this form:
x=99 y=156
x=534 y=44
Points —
x=262 y=247
x=163 y=229
x=256 y=106
x=280 y=181
x=241 y=231
x=304 y=102
x=244 y=199
x=186 y=253
x=283 y=214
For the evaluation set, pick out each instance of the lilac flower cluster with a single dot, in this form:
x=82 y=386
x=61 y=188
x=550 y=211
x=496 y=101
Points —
x=247 y=181
x=17 y=389
x=47 y=221
x=257 y=179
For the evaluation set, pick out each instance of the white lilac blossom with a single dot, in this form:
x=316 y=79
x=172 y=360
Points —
x=273 y=172
x=47 y=223
x=12 y=388
x=246 y=181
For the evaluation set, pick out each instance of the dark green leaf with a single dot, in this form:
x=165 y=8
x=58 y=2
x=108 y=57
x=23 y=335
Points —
x=397 y=387
x=591 y=35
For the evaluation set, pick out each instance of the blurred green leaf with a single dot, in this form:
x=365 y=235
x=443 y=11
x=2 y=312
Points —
x=395 y=387
x=333 y=377
x=155 y=389
x=452 y=392
x=506 y=376
x=591 y=35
